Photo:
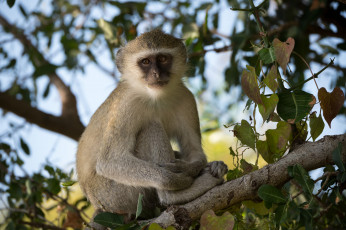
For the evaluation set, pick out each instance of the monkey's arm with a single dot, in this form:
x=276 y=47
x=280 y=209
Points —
x=193 y=159
x=129 y=170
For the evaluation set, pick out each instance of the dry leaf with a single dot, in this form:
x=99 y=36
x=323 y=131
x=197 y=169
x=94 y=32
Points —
x=73 y=220
x=283 y=51
x=331 y=103
x=250 y=85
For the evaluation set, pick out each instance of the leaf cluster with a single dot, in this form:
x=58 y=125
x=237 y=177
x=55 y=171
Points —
x=25 y=197
x=301 y=204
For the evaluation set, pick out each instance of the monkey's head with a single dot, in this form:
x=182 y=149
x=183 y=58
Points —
x=155 y=59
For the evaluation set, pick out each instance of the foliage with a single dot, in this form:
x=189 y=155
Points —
x=271 y=50
x=30 y=198
x=293 y=107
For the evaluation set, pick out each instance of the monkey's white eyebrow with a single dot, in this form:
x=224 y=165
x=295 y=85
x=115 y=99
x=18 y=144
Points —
x=144 y=54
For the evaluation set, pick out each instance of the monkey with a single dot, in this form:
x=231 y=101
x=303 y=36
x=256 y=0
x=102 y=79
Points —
x=126 y=148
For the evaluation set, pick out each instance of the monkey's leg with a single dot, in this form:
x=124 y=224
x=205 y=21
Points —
x=153 y=140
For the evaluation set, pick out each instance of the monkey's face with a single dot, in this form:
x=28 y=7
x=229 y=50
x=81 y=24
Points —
x=156 y=69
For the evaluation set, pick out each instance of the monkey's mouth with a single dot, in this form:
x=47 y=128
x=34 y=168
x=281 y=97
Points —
x=156 y=83
x=159 y=83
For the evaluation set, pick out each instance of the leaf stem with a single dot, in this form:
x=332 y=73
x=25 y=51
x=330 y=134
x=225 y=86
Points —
x=313 y=76
x=255 y=11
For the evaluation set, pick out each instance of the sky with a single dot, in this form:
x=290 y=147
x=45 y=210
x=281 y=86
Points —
x=93 y=88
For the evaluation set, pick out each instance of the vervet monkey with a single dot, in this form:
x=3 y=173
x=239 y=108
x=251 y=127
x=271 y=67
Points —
x=126 y=150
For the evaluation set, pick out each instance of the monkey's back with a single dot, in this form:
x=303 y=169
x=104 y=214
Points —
x=90 y=142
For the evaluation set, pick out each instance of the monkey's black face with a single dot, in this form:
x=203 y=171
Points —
x=156 y=69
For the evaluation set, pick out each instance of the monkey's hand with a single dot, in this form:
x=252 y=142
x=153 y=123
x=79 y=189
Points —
x=216 y=168
x=191 y=169
x=175 y=181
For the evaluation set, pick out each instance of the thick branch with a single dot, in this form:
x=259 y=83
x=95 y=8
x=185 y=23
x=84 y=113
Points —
x=311 y=155
x=69 y=104
x=72 y=128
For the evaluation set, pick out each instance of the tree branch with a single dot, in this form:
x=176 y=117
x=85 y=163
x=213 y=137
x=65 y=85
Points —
x=69 y=103
x=311 y=155
x=72 y=128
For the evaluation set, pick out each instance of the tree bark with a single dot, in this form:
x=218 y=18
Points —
x=69 y=126
x=311 y=155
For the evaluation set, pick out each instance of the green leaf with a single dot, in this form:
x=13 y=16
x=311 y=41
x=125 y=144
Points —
x=281 y=214
x=316 y=125
x=50 y=170
x=190 y=31
x=271 y=194
x=270 y=79
x=231 y=152
x=130 y=226
x=306 y=218
x=247 y=167
x=11 y=64
x=45 y=69
x=139 y=205
x=15 y=191
x=231 y=74
x=234 y=174
x=68 y=183
x=341 y=177
x=109 y=30
x=268 y=106
x=10 y=3
x=46 y=91
x=258 y=207
x=267 y=55
x=245 y=134
x=22 y=10
x=337 y=157
x=155 y=226
x=5 y=147
x=209 y=221
x=302 y=130
x=110 y=220
x=278 y=138
x=28 y=186
x=262 y=148
x=53 y=185
x=24 y=146
x=303 y=178
x=250 y=85
x=294 y=106
x=10 y=226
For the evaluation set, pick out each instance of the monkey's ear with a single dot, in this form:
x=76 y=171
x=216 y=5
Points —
x=119 y=59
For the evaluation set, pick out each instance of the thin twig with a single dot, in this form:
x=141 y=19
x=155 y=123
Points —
x=312 y=74
x=328 y=175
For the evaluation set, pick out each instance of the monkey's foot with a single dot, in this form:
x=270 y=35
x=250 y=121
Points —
x=216 y=168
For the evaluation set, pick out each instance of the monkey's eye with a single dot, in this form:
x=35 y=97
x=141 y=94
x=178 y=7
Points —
x=145 y=61
x=162 y=58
